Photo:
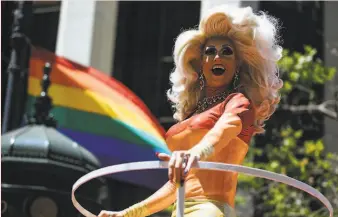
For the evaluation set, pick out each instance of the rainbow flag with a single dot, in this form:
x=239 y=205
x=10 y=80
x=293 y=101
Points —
x=97 y=111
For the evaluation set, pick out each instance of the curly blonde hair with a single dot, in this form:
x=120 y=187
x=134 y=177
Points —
x=256 y=42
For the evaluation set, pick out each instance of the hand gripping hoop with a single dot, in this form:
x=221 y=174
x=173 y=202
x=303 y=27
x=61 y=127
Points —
x=200 y=165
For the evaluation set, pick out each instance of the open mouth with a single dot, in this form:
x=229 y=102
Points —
x=218 y=70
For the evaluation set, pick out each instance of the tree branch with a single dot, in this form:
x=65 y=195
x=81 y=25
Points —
x=313 y=108
x=303 y=88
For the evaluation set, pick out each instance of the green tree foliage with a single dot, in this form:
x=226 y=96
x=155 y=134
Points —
x=293 y=145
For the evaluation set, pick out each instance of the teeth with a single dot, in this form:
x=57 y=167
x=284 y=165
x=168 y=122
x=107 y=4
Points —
x=218 y=67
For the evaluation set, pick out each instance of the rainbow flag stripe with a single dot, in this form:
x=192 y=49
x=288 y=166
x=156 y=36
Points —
x=97 y=111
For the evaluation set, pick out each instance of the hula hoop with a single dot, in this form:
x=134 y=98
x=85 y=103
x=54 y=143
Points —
x=146 y=165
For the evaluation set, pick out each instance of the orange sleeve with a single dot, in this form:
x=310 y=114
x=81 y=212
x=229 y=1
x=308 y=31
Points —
x=236 y=114
x=158 y=201
x=241 y=106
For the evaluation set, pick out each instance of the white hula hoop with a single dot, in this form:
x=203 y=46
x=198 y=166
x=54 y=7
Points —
x=146 y=165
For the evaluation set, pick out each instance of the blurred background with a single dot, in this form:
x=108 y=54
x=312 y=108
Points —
x=53 y=136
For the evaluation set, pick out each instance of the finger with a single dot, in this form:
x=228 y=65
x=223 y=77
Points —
x=163 y=156
x=178 y=167
x=171 y=166
x=184 y=165
x=103 y=213
x=192 y=159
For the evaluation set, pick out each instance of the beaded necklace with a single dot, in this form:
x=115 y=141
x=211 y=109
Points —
x=206 y=102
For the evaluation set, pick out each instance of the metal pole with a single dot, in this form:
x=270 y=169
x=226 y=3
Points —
x=180 y=200
x=7 y=103
x=18 y=65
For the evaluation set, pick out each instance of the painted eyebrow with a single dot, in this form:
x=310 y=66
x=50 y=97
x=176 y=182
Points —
x=226 y=45
x=223 y=46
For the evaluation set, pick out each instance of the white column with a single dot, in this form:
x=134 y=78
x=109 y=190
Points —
x=103 y=44
x=207 y=4
x=331 y=60
x=87 y=32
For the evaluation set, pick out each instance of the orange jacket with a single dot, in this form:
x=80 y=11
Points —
x=226 y=129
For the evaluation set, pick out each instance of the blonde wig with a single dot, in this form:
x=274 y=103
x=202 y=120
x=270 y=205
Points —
x=256 y=43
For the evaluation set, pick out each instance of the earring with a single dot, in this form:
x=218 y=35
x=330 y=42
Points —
x=236 y=79
x=201 y=81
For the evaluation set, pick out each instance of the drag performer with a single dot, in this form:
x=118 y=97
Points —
x=224 y=86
